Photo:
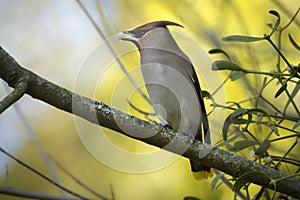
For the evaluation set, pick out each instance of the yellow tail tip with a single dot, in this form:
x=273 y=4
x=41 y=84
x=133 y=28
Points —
x=203 y=174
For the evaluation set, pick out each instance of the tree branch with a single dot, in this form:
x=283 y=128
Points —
x=14 y=96
x=154 y=134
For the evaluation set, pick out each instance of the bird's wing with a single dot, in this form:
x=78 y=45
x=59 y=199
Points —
x=205 y=123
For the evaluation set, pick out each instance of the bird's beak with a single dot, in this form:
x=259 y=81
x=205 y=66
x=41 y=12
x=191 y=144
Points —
x=126 y=35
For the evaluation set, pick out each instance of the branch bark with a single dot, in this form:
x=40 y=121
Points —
x=153 y=134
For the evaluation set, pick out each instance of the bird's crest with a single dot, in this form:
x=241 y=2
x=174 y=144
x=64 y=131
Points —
x=140 y=31
x=155 y=24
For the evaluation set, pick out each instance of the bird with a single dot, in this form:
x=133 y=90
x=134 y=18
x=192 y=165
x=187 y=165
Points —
x=172 y=84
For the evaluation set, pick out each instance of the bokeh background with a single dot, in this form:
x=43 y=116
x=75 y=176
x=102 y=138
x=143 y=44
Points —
x=55 y=40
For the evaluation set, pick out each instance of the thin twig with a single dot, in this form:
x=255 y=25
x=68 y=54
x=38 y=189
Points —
x=6 y=176
x=228 y=184
x=14 y=96
x=112 y=192
x=32 y=195
x=111 y=49
x=139 y=110
x=77 y=180
x=33 y=136
x=42 y=175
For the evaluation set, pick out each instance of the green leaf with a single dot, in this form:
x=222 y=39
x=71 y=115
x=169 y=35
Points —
x=295 y=90
x=296 y=125
x=270 y=25
x=258 y=110
x=292 y=41
x=275 y=129
x=226 y=127
x=226 y=65
x=263 y=148
x=205 y=94
x=242 y=144
x=235 y=103
x=241 y=121
x=243 y=179
x=191 y=198
x=241 y=38
x=275 y=13
x=237 y=133
x=261 y=90
x=239 y=112
x=215 y=181
x=272 y=126
x=293 y=94
x=215 y=51
x=281 y=89
x=234 y=75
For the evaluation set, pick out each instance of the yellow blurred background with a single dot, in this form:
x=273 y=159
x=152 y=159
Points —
x=56 y=40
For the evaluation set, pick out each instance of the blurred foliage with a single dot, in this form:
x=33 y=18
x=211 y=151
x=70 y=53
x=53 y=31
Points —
x=264 y=113
x=53 y=38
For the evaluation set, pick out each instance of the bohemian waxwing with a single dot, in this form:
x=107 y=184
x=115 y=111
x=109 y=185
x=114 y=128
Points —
x=171 y=83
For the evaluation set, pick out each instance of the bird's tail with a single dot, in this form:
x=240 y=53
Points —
x=201 y=171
